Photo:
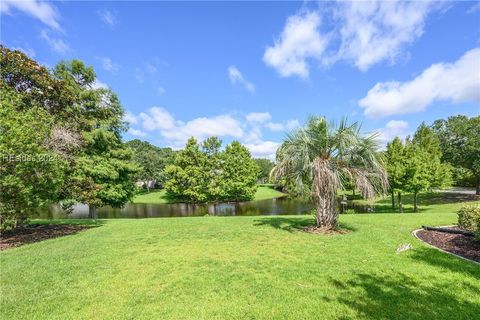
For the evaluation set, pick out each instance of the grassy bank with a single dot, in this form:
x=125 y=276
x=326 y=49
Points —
x=242 y=268
x=265 y=191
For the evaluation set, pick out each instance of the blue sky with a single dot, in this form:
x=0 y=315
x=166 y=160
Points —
x=252 y=70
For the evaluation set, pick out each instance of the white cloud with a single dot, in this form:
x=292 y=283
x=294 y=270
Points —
x=259 y=117
x=202 y=128
x=130 y=118
x=375 y=31
x=299 y=41
x=28 y=51
x=136 y=132
x=175 y=133
x=157 y=118
x=109 y=65
x=362 y=32
x=236 y=77
x=275 y=126
x=263 y=149
x=455 y=82
x=56 y=44
x=41 y=10
x=393 y=128
x=108 y=17
x=289 y=125
x=292 y=124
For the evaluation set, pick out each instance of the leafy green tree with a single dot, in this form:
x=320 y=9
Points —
x=35 y=84
x=427 y=140
x=86 y=126
x=418 y=176
x=395 y=165
x=265 y=167
x=103 y=170
x=321 y=156
x=105 y=167
x=239 y=174
x=31 y=174
x=151 y=160
x=205 y=173
x=93 y=106
x=460 y=143
x=186 y=176
x=213 y=168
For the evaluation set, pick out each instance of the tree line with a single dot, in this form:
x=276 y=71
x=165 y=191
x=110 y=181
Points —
x=203 y=172
x=61 y=142
x=162 y=167
x=429 y=159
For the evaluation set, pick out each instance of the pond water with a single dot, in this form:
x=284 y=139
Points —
x=277 y=206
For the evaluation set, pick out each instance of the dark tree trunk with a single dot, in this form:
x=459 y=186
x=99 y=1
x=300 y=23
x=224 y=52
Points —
x=415 y=201
x=353 y=192
x=393 y=200
x=92 y=212
x=400 y=205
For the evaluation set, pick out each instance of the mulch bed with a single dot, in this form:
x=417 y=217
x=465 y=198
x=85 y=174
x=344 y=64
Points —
x=318 y=230
x=35 y=233
x=459 y=244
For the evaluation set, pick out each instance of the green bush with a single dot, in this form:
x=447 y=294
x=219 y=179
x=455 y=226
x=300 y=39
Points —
x=469 y=219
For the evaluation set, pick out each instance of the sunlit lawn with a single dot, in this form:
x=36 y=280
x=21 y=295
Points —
x=263 y=192
x=241 y=268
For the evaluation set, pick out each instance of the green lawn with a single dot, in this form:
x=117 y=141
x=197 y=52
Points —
x=265 y=191
x=242 y=268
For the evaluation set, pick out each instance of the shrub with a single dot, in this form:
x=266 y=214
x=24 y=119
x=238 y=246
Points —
x=469 y=219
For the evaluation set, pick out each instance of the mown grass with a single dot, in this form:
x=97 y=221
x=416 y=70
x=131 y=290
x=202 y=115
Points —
x=265 y=191
x=242 y=268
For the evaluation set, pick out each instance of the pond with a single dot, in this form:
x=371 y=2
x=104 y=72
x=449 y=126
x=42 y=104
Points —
x=277 y=206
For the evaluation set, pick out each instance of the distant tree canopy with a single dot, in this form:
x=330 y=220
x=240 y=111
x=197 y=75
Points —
x=63 y=114
x=201 y=173
x=415 y=165
x=151 y=160
x=265 y=167
x=459 y=138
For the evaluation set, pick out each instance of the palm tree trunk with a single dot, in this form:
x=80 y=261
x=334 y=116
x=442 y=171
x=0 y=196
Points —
x=327 y=216
x=324 y=187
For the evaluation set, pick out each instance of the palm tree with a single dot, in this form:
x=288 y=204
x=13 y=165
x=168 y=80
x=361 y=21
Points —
x=321 y=157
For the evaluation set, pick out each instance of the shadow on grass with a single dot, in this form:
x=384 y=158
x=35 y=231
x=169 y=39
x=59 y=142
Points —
x=401 y=297
x=294 y=224
x=434 y=198
x=91 y=223
x=42 y=230
x=445 y=261
x=424 y=201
